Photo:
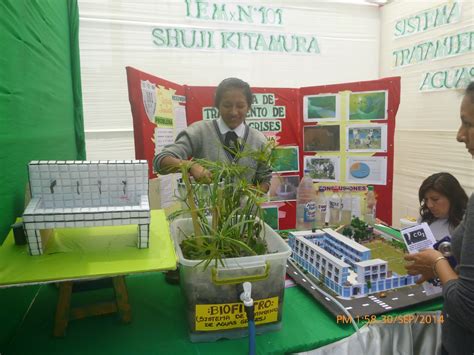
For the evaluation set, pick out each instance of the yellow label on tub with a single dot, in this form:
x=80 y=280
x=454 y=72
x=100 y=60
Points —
x=211 y=317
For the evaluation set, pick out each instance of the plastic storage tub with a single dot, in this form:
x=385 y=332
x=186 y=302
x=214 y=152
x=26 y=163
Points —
x=214 y=309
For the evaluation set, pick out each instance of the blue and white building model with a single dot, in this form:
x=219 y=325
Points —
x=345 y=266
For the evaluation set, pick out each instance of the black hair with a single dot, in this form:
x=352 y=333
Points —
x=446 y=185
x=233 y=83
x=470 y=91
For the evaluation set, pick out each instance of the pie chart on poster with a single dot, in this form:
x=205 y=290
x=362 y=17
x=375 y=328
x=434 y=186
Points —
x=359 y=170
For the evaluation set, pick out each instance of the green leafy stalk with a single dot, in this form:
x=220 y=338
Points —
x=190 y=200
x=226 y=214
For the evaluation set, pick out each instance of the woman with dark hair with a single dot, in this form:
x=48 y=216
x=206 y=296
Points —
x=211 y=139
x=458 y=284
x=442 y=203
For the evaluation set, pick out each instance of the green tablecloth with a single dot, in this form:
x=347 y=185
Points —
x=159 y=321
x=158 y=325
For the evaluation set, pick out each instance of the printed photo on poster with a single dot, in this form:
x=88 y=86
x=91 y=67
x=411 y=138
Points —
x=285 y=159
x=322 y=168
x=368 y=105
x=367 y=170
x=283 y=188
x=270 y=216
x=317 y=108
x=321 y=138
x=366 y=138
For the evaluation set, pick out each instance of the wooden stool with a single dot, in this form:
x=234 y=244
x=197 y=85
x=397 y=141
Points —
x=64 y=312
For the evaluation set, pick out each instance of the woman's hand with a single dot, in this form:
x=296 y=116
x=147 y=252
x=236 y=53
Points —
x=422 y=264
x=200 y=174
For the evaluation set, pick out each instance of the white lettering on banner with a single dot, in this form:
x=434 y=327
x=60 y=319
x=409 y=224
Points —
x=266 y=126
x=263 y=99
x=449 y=46
x=338 y=188
x=445 y=14
x=445 y=79
x=256 y=112
x=210 y=113
x=233 y=12
x=206 y=39
x=268 y=111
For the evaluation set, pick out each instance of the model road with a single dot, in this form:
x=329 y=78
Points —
x=361 y=306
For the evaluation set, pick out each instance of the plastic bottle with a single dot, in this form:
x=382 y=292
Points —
x=370 y=206
x=322 y=206
x=334 y=208
x=306 y=204
x=346 y=208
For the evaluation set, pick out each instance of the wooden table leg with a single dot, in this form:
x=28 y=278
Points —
x=62 y=309
x=121 y=297
x=64 y=312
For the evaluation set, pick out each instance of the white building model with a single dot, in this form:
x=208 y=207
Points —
x=344 y=265
x=76 y=193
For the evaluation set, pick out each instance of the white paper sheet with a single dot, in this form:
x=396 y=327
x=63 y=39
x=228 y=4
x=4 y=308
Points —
x=167 y=186
x=179 y=119
x=163 y=136
x=366 y=170
x=417 y=238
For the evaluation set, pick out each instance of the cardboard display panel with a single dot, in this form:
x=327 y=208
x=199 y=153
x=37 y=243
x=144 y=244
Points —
x=357 y=107
x=342 y=134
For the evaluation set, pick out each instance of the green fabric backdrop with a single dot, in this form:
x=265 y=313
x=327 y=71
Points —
x=41 y=113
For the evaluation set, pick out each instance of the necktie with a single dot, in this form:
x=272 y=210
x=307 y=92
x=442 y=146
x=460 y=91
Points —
x=230 y=142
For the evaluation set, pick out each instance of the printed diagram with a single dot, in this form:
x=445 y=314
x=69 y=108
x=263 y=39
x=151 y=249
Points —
x=366 y=170
x=321 y=107
x=359 y=170
x=368 y=105
x=321 y=138
x=283 y=188
x=366 y=138
x=322 y=168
